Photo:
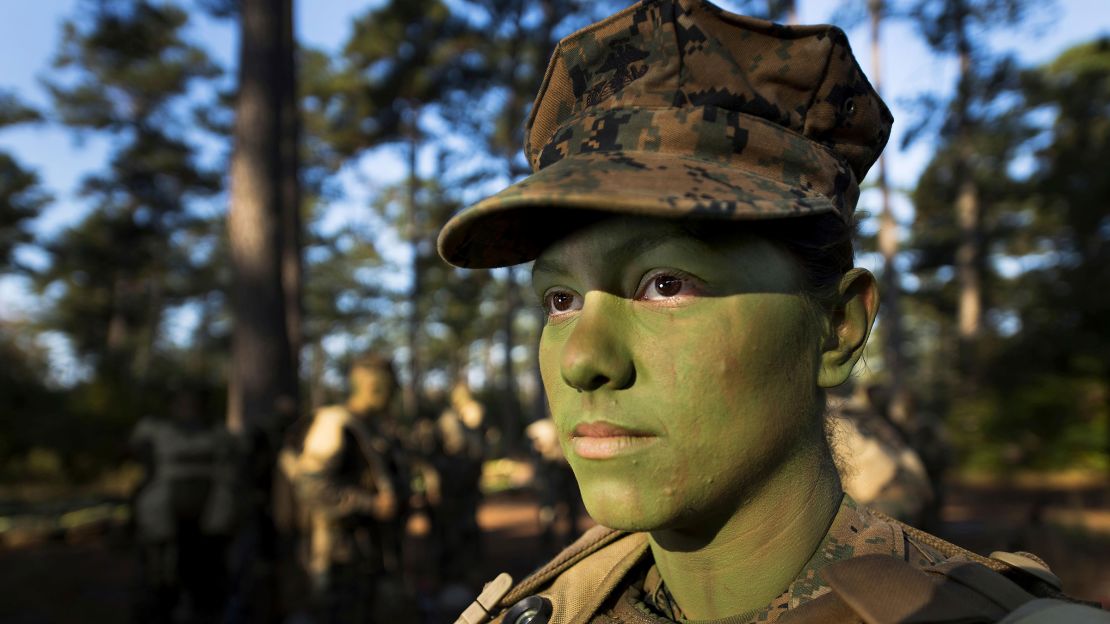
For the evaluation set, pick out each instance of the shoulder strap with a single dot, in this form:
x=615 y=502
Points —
x=570 y=587
x=948 y=549
x=590 y=542
x=1027 y=570
x=883 y=590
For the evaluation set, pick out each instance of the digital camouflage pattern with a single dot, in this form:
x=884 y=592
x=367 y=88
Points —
x=678 y=108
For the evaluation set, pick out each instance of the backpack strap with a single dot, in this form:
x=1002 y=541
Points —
x=590 y=542
x=948 y=549
x=886 y=590
x=500 y=594
x=987 y=583
x=1027 y=570
x=578 y=593
x=883 y=590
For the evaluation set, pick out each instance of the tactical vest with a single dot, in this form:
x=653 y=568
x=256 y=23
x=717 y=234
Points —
x=1008 y=588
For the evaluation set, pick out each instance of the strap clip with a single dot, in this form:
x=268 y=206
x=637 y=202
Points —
x=479 y=611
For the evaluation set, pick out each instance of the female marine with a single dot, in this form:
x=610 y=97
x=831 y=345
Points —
x=690 y=218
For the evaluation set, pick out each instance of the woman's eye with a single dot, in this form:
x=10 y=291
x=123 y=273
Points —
x=558 y=302
x=662 y=286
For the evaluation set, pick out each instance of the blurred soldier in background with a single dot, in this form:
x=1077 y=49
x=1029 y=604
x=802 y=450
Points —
x=555 y=485
x=348 y=501
x=184 y=513
x=878 y=467
x=459 y=466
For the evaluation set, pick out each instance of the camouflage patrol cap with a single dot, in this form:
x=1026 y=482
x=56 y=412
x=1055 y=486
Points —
x=676 y=108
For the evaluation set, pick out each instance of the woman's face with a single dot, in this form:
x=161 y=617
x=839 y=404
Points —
x=371 y=389
x=679 y=373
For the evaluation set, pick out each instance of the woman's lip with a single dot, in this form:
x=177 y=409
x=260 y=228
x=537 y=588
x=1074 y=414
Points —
x=601 y=440
x=605 y=430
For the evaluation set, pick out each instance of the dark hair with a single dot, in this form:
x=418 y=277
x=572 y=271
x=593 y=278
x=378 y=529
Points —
x=822 y=246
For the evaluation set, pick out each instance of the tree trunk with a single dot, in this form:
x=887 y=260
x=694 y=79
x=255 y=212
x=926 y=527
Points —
x=412 y=389
x=512 y=425
x=899 y=407
x=489 y=370
x=262 y=377
x=968 y=216
x=539 y=401
x=144 y=352
x=547 y=34
x=316 y=395
x=292 y=269
x=968 y=212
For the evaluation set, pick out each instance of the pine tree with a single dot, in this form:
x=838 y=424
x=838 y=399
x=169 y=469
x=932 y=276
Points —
x=125 y=71
x=21 y=195
x=401 y=58
x=263 y=222
x=888 y=243
x=1052 y=409
x=957 y=28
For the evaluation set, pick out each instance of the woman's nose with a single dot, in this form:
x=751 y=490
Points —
x=595 y=355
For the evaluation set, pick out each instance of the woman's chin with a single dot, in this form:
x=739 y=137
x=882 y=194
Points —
x=626 y=510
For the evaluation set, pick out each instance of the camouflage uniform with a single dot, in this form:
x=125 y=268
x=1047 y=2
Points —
x=868 y=568
x=343 y=492
x=185 y=513
x=394 y=447
x=676 y=109
x=461 y=450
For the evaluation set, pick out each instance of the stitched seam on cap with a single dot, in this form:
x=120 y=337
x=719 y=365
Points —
x=553 y=61
x=679 y=80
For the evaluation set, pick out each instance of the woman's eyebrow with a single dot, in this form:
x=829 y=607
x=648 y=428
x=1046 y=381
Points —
x=623 y=252
x=639 y=246
x=547 y=265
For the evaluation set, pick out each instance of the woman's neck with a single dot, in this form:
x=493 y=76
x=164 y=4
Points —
x=743 y=563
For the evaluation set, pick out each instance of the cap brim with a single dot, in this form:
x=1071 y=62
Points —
x=517 y=224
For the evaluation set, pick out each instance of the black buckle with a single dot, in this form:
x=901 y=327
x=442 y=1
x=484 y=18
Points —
x=531 y=610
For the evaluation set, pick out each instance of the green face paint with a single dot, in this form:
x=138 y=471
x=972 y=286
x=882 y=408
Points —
x=680 y=374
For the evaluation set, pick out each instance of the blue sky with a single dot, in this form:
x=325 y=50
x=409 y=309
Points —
x=30 y=31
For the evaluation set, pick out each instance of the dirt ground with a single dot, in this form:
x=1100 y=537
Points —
x=90 y=576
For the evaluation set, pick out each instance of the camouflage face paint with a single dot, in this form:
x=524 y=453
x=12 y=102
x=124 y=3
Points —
x=679 y=375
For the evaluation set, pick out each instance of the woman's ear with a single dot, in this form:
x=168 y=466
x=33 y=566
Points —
x=849 y=326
